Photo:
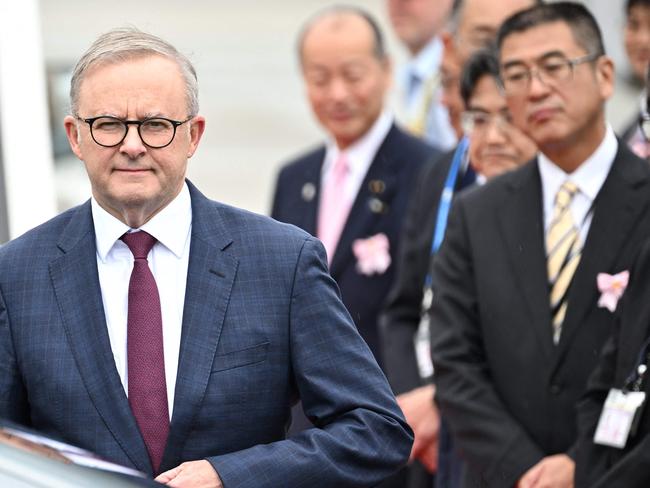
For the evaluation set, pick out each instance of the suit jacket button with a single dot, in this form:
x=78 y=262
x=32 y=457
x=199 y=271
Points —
x=556 y=389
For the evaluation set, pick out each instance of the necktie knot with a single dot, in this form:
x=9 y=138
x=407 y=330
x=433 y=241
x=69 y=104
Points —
x=140 y=243
x=341 y=167
x=565 y=194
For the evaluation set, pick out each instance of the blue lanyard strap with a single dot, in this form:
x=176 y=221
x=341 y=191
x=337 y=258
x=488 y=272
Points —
x=445 y=199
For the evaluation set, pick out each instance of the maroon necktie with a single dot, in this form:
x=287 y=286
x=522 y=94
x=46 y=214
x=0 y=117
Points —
x=146 y=361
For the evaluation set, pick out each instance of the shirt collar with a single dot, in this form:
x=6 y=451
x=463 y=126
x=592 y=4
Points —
x=427 y=62
x=590 y=175
x=171 y=226
x=361 y=153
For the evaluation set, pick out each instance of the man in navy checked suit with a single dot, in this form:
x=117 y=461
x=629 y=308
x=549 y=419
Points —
x=251 y=320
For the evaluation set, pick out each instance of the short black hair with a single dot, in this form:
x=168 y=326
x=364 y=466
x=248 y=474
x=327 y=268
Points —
x=582 y=23
x=630 y=4
x=379 y=50
x=482 y=63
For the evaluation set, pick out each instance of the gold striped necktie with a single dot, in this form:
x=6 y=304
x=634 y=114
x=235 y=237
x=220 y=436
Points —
x=563 y=248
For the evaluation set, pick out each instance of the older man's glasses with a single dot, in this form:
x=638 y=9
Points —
x=551 y=71
x=155 y=132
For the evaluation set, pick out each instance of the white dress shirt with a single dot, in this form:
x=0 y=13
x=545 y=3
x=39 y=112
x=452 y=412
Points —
x=589 y=178
x=412 y=82
x=360 y=156
x=168 y=261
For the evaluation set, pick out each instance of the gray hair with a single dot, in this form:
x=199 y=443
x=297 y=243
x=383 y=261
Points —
x=127 y=43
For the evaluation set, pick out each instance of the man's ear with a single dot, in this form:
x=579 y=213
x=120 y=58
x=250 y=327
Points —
x=72 y=131
x=197 y=128
x=447 y=40
x=605 y=76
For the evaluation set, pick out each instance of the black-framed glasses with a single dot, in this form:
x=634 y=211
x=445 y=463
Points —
x=551 y=70
x=155 y=132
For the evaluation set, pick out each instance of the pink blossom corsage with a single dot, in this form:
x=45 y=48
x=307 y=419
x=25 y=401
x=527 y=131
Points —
x=372 y=254
x=611 y=288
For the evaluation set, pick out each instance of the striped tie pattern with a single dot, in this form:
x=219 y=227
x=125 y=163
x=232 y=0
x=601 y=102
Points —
x=563 y=249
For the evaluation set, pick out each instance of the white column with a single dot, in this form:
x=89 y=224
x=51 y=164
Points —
x=26 y=145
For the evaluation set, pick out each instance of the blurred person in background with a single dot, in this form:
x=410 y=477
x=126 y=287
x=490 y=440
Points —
x=472 y=26
x=418 y=24
x=352 y=191
x=620 y=461
x=495 y=146
x=637 y=48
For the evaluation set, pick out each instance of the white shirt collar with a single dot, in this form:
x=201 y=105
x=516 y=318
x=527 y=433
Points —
x=590 y=175
x=361 y=153
x=171 y=226
x=427 y=62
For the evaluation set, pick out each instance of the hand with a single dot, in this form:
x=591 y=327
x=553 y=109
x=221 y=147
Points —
x=193 y=474
x=423 y=417
x=428 y=456
x=551 y=472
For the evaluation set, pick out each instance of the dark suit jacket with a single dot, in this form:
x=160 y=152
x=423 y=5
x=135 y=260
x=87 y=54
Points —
x=507 y=391
x=262 y=325
x=400 y=317
x=607 y=467
x=396 y=164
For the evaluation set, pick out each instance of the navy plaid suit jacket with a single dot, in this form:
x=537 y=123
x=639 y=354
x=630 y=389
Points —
x=263 y=325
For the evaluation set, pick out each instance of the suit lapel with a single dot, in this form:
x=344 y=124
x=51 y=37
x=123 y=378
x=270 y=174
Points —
x=372 y=201
x=74 y=275
x=521 y=219
x=210 y=277
x=618 y=205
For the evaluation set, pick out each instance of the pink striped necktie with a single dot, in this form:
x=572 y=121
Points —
x=145 y=354
x=334 y=206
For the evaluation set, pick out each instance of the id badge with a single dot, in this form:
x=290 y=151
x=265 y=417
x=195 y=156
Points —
x=422 y=339
x=619 y=418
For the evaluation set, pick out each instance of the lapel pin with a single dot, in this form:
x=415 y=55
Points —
x=377 y=206
x=308 y=192
x=377 y=186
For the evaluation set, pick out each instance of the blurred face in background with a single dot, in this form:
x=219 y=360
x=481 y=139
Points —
x=637 y=39
x=478 y=23
x=496 y=145
x=346 y=80
x=416 y=22
x=450 y=96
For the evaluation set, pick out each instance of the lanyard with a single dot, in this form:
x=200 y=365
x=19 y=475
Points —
x=445 y=200
x=634 y=380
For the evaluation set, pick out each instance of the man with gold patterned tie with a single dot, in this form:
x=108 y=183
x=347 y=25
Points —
x=516 y=326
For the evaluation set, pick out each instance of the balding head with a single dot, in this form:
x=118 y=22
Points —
x=338 y=18
x=346 y=72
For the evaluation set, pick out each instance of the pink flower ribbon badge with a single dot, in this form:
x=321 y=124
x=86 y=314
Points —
x=372 y=254
x=611 y=288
